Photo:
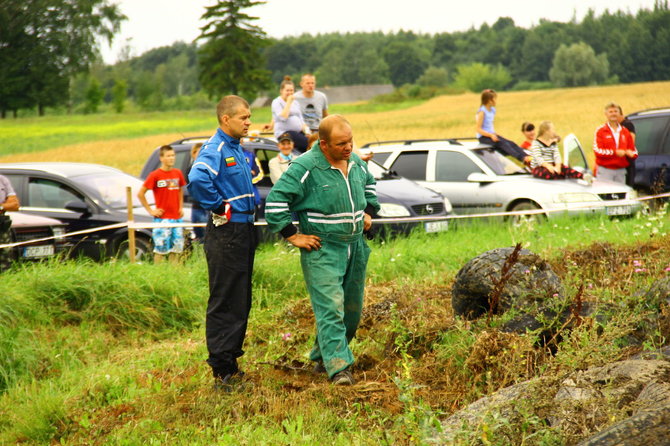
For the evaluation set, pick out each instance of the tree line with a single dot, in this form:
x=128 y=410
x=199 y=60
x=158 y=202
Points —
x=48 y=49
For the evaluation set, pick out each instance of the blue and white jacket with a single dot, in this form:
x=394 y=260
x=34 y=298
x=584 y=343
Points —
x=221 y=174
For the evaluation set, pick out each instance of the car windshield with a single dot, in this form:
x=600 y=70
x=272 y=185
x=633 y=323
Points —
x=110 y=188
x=499 y=163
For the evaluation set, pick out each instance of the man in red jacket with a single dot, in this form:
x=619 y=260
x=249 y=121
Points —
x=613 y=146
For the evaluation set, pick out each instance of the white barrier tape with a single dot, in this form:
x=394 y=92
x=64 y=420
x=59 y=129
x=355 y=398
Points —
x=569 y=207
x=69 y=234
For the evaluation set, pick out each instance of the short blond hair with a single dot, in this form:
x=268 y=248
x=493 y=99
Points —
x=229 y=105
x=612 y=105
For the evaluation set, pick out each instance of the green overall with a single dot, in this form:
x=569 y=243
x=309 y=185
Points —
x=331 y=206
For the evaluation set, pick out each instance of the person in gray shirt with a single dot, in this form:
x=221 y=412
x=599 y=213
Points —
x=8 y=202
x=313 y=104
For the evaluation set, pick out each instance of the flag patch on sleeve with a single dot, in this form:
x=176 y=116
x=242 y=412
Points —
x=230 y=161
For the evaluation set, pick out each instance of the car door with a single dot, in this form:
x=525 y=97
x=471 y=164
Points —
x=573 y=154
x=652 y=167
x=449 y=176
x=51 y=197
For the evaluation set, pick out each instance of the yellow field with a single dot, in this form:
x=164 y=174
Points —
x=575 y=110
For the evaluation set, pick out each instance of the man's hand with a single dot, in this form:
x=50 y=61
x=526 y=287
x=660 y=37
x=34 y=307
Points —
x=494 y=137
x=367 y=222
x=305 y=241
x=558 y=169
x=630 y=153
x=620 y=152
x=367 y=156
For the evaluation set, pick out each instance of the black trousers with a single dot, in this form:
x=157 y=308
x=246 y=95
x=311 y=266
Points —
x=508 y=147
x=230 y=250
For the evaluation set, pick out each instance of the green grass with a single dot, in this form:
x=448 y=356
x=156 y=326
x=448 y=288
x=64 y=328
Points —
x=113 y=353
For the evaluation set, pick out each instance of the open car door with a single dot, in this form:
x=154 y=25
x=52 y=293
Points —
x=573 y=154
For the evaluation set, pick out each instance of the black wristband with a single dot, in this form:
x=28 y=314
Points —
x=288 y=230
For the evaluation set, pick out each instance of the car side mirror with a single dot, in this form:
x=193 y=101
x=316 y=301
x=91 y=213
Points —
x=79 y=207
x=478 y=177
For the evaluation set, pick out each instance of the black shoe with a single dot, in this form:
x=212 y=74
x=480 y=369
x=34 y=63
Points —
x=229 y=382
x=343 y=378
x=319 y=367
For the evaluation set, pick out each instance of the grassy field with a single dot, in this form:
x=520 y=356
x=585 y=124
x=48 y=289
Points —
x=125 y=141
x=114 y=353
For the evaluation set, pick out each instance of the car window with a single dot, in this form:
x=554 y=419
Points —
x=50 y=194
x=111 y=188
x=454 y=166
x=182 y=160
x=498 y=163
x=572 y=150
x=380 y=157
x=411 y=165
x=649 y=134
x=264 y=156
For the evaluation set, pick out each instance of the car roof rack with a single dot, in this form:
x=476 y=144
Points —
x=189 y=139
x=261 y=139
x=252 y=138
x=650 y=111
x=409 y=142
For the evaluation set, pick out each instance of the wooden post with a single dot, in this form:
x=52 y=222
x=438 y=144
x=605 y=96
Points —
x=131 y=231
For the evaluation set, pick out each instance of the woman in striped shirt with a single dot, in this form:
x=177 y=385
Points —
x=546 y=161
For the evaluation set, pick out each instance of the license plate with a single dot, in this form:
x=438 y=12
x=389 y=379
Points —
x=619 y=210
x=38 y=251
x=436 y=226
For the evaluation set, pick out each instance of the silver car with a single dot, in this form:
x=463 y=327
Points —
x=479 y=180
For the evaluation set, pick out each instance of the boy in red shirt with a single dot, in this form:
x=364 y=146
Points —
x=614 y=147
x=166 y=182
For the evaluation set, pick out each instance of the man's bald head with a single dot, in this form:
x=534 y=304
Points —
x=329 y=123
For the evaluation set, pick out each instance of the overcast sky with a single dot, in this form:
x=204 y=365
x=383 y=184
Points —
x=156 y=23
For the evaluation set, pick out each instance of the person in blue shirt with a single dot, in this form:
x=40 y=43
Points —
x=486 y=133
x=220 y=180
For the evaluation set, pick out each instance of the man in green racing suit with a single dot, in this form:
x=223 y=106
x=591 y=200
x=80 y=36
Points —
x=334 y=196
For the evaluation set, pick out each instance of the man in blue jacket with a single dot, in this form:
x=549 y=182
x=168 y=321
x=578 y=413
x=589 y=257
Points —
x=220 y=181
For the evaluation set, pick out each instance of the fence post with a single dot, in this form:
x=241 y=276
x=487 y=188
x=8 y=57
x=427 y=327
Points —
x=131 y=231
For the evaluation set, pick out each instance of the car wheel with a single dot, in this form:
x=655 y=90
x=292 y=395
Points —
x=518 y=220
x=143 y=249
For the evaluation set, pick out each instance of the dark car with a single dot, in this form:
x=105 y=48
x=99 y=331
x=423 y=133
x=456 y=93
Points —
x=652 y=139
x=83 y=196
x=397 y=196
x=26 y=227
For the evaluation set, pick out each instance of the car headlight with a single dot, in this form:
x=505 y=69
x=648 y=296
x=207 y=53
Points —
x=448 y=208
x=59 y=232
x=575 y=197
x=390 y=210
x=632 y=195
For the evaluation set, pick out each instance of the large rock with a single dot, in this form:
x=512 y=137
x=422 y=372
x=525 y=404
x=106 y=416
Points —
x=531 y=279
x=580 y=406
x=647 y=427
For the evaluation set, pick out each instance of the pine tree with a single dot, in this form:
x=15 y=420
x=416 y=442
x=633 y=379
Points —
x=231 y=60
